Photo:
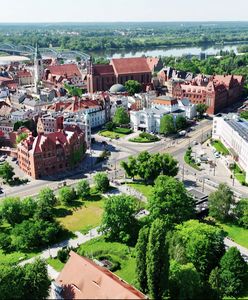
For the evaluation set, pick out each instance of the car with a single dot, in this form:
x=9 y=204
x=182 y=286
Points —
x=14 y=159
x=217 y=154
x=195 y=143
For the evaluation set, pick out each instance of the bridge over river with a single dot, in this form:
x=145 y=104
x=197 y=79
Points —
x=29 y=51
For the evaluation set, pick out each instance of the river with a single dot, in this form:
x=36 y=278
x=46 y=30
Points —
x=166 y=51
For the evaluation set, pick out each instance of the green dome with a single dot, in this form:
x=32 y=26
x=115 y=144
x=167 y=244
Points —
x=117 y=88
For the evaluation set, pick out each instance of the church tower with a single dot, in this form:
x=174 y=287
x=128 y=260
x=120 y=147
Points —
x=38 y=68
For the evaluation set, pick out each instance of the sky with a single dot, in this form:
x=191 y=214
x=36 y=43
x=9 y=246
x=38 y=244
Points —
x=122 y=10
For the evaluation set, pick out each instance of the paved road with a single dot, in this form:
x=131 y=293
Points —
x=244 y=251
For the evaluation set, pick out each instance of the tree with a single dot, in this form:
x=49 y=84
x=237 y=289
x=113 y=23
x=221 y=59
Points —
x=12 y=210
x=83 y=188
x=157 y=261
x=181 y=122
x=121 y=116
x=6 y=172
x=66 y=195
x=102 y=182
x=167 y=125
x=28 y=282
x=203 y=245
x=233 y=272
x=46 y=201
x=118 y=222
x=130 y=167
x=244 y=114
x=33 y=234
x=141 y=250
x=22 y=136
x=133 y=87
x=220 y=201
x=184 y=282
x=170 y=201
x=110 y=126
x=149 y=166
x=241 y=213
x=36 y=280
x=201 y=108
x=29 y=206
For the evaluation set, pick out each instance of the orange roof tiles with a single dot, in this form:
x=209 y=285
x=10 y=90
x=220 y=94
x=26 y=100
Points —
x=81 y=278
x=103 y=69
x=69 y=70
x=130 y=65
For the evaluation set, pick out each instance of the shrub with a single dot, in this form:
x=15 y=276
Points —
x=63 y=254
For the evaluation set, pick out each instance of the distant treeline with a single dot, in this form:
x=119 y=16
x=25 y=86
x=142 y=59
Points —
x=105 y=36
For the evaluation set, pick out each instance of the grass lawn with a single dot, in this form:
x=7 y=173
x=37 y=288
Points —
x=84 y=217
x=189 y=161
x=220 y=147
x=239 y=174
x=236 y=233
x=118 y=252
x=142 y=188
x=115 y=133
x=14 y=257
x=55 y=263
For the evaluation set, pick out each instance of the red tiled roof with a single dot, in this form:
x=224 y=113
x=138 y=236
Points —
x=152 y=62
x=103 y=70
x=24 y=73
x=130 y=65
x=226 y=79
x=81 y=278
x=68 y=69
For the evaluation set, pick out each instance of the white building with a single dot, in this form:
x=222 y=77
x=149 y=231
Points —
x=171 y=105
x=148 y=119
x=233 y=133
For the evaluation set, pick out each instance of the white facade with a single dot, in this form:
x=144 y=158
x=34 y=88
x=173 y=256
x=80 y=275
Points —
x=233 y=133
x=149 y=119
x=177 y=105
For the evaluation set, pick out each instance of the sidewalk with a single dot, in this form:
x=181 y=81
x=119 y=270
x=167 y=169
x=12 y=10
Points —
x=53 y=250
x=244 y=251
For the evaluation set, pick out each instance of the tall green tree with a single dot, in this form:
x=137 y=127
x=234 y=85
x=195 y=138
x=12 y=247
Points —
x=121 y=116
x=102 y=182
x=130 y=167
x=133 y=87
x=83 y=188
x=233 y=273
x=167 y=125
x=184 y=282
x=66 y=195
x=201 y=108
x=220 y=201
x=7 y=172
x=203 y=245
x=118 y=222
x=170 y=201
x=240 y=212
x=12 y=210
x=180 y=122
x=141 y=251
x=46 y=201
x=28 y=282
x=157 y=261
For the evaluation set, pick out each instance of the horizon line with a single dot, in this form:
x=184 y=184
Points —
x=87 y=22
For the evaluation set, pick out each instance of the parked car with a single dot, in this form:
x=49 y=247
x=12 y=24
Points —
x=14 y=159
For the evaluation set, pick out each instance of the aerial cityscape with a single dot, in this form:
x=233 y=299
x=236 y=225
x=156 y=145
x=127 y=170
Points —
x=124 y=150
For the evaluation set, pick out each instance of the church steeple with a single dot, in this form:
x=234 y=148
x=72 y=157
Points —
x=38 y=68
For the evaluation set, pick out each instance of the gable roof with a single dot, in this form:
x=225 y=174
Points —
x=130 y=65
x=81 y=278
x=103 y=69
x=68 y=69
